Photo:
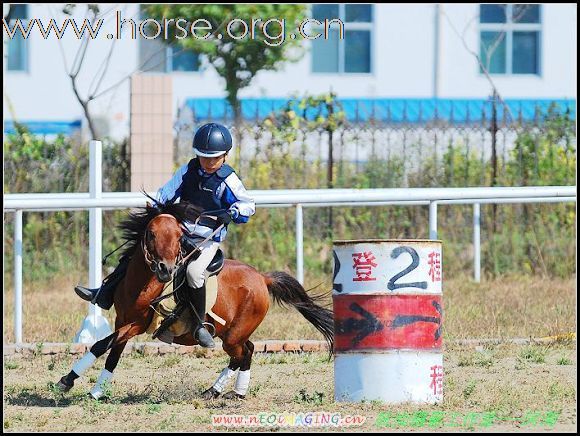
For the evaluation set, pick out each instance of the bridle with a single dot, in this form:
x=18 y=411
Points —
x=180 y=259
x=150 y=260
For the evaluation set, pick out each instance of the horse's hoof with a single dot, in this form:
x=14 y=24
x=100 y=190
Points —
x=63 y=386
x=231 y=395
x=210 y=394
x=102 y=398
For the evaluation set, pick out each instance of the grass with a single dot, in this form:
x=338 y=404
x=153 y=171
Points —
x=541 y=397
x=534 y=354
x=513 y=306
x=564 y=361
x=303 y=397
x=469 y=389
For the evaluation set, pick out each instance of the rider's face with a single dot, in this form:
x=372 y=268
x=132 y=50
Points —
x=211 y=164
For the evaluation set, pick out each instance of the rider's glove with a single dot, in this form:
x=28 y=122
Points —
x=227 y=216
x=234 y=213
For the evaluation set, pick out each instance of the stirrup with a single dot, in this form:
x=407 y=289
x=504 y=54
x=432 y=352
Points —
x=210 y=328
x=168 y=321
x=209 y=341
x=165 y=324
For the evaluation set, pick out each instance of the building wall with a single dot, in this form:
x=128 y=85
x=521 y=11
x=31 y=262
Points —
x=460 y=75
x=402 y=59
x=151 y=131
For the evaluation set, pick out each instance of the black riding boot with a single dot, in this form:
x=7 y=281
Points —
x=103 y=296
x=197 y=302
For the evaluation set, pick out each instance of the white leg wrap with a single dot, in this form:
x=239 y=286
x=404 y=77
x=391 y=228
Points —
x=85 y=363
x=223 y=379
x=97 y=391
x=242 y=382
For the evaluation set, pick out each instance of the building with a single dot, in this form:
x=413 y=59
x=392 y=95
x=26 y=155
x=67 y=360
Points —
x=399 y=52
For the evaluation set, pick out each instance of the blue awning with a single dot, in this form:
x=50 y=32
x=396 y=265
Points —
x=395 y=110
x=45 y=127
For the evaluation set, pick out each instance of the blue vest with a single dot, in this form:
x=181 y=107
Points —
x=202 y=191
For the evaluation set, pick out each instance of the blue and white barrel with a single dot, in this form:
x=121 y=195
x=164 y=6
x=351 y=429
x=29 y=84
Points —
x=387 y=300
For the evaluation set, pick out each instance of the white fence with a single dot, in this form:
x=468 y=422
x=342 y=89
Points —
x=95 y=201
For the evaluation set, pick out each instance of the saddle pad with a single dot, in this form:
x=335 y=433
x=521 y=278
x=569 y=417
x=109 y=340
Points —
x=183 y=324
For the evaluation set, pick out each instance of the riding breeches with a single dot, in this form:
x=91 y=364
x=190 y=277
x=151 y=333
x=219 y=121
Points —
x=196 y=269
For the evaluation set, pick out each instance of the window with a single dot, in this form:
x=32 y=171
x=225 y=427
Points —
x=352 y=54
x=155 y=56
x=183 y=60
x=17 y=47
x=510 y=38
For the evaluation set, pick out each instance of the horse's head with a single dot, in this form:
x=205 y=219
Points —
x=161 y=246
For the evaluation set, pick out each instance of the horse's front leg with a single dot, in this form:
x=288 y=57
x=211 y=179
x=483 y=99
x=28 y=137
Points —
x=80 y=367
x=97 y=350
x=107 y=373
x=113 y=359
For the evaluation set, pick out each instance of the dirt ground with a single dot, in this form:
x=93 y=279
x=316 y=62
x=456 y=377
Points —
x=493 y=388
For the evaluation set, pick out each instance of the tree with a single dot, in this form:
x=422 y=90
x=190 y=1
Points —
x=93 y=14
x=323 y=113
x=234 y=58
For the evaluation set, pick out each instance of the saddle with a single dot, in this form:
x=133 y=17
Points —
x=172 y=309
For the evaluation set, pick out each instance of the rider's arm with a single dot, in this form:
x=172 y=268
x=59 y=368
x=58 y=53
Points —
x=169 y=192
x=238 y=200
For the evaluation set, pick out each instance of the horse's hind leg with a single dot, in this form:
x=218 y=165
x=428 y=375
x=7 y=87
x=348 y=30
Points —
x=243 y=379
x=241 y=358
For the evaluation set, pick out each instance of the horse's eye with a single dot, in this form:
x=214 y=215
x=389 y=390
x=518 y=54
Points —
x=149 y=236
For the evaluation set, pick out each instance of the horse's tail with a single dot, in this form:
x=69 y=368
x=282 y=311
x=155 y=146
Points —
x=286 y=290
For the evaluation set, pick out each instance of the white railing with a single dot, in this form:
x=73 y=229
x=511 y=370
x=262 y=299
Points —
x=95 y=201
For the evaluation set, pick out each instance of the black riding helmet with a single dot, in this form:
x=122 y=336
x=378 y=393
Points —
x=212 y=140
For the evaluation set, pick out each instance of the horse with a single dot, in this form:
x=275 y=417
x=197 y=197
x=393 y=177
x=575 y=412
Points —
x=153 y=236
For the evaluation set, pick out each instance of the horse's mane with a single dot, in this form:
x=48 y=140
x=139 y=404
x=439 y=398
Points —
x=134 y=225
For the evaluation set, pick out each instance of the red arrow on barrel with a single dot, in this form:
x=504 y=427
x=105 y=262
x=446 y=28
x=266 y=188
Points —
x=387 y=321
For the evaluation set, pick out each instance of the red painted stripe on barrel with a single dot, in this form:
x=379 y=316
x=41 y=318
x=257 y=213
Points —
x=382 y=321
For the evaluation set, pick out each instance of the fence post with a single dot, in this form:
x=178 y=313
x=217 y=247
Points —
x=476 y=243
x=432 y=220
x=299 y=245
x=95 y=326
x=18 y=276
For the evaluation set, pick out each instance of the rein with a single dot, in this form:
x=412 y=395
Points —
x=179 y=263
x=153 y=263
x=196 y=249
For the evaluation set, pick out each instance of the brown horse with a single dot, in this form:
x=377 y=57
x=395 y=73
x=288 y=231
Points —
x=153 y=235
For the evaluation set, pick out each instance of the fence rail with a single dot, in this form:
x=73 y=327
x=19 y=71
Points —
x=297 y=198
x=95 y=200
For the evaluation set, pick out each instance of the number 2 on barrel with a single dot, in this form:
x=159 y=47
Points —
x=414 y=264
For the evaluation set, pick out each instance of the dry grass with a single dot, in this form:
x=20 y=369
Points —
x=508 y=307
x=161 y=393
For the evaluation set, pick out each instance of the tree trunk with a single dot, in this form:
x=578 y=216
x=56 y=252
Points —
x=238 y=134
x=494 y=155
x=85 y=105
x=237 y=108
x=329 y=183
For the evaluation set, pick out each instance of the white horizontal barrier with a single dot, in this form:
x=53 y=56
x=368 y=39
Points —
x=298 y=198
